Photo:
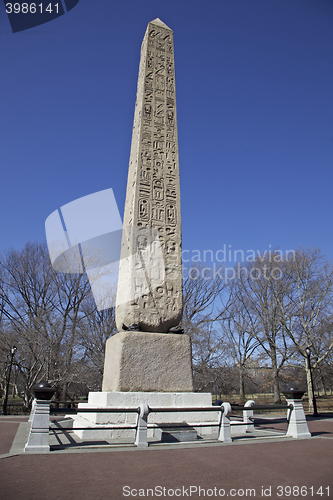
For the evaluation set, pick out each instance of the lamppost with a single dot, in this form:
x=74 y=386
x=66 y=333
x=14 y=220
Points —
x=4 y=407
x=308 y=354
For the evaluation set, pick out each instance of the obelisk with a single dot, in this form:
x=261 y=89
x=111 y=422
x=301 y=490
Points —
x=146 y=354
x=150 y=273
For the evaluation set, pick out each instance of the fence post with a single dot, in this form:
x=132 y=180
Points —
x=248 y=415
x=224 y=423
x=38 y=439
x=297 y=424
x=141 y=426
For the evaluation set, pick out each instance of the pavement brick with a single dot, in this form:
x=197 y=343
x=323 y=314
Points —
x=232 y=468
x=8 y=432
x=104 y=475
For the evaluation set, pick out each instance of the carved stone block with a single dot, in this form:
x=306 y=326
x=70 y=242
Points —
x=148 y=362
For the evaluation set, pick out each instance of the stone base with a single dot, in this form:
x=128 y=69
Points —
x=148 y=362
x=97 y=420
x=175 y=434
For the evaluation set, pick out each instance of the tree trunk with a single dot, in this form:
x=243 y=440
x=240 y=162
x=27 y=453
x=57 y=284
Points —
x=309 y=386
x=322 y=382
x=276 y=381
x=14 y=390
x=241 y=383
x=63 y=394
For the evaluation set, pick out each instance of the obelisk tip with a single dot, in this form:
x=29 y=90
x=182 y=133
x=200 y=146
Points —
x=160 y=23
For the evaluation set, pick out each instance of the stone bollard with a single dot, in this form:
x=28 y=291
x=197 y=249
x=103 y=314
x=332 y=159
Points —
x=297 y=424
x=248 y=415
x=141 y=426
x=38 y=440
x=224 y=424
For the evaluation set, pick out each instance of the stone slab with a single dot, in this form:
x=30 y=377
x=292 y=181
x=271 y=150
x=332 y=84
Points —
x=133 y=400
x=174 y=434
x=95 y=422
x=148 y=362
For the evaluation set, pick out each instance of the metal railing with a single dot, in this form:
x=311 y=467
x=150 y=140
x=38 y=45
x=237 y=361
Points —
x=142 y=425
x=38 y=439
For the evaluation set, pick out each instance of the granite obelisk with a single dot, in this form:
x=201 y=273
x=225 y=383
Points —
x=147 y=354
x=150 y=273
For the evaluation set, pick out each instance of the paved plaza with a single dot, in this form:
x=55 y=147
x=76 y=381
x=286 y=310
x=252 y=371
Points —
x=258 y=466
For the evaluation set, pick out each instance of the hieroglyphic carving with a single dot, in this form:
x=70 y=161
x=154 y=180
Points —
x=154 y=182
x=143 y=209
x=171 y=214
x=158 y=189
x=157 y=212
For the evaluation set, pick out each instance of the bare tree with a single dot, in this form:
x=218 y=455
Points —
x=306 y=312
x=42 y=310
x=206 y=301
x=97 y=328
x=260 y=288
x=239 y=332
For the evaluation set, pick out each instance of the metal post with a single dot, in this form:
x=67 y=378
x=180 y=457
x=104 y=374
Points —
x=4 y=407
x=224 y=424
x=314 y=403
x=141 y=426
x=248 y=415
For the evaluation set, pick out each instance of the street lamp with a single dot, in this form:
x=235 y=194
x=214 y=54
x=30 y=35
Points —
x=308 y=354
x=4 y=407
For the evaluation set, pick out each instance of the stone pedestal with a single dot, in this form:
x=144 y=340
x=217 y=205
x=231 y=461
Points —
x=148 y=362
x=297 y=425
x=38 y=440
x=96 y=420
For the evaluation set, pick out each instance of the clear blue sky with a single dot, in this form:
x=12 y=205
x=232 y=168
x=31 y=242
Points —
x=254 y=83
